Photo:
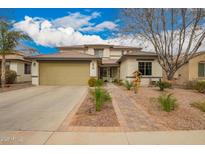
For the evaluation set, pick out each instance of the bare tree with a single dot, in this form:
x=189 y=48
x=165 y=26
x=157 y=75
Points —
x=175 y=34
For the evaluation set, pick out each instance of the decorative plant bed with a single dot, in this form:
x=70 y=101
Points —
x=88 y=116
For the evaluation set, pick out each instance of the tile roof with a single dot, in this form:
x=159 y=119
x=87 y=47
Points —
x=141 y=53
x=138 y=53
x=64 y=55
x=16 y=56
x=98 y=45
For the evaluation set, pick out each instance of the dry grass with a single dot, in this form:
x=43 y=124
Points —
x=199 y=105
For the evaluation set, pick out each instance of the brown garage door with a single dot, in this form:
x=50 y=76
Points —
x=64 y=73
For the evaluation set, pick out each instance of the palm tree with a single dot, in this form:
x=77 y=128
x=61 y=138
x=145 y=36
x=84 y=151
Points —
x=9 y=40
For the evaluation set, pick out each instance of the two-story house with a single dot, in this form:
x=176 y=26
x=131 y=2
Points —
x=74 y=65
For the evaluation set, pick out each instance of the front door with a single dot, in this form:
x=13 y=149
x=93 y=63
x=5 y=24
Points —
x=108 y=74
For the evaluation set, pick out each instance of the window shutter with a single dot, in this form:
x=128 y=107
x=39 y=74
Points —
x=201 y=70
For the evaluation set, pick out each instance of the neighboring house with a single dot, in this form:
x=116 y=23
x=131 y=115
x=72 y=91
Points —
x=74 y=65
x=193 y=70
x=16 y=61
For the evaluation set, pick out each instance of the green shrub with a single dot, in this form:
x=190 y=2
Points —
x=100 y=96
x=163 y=84
x=115 y=81
x=199 y=105
x=167 y=102
x=92 y=82
x=128 y=84
x=200 y=86
x=10 y=76
x=99 y=83
x=118 y=82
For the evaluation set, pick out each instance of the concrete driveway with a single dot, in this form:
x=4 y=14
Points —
x=41 y=108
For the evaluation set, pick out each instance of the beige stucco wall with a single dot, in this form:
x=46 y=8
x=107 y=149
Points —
x=115 y=54
x=106 y=53
x=182 y=75
x=13 y=66
x=189 y=71
x=123 y=69
x=193 y=67
x=129 y=65
x=35 y=72
x=18 y=66
x=90 y=51
x=21 y=76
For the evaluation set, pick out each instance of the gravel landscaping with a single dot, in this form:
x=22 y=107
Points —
x=87 y=116
x=185 y=117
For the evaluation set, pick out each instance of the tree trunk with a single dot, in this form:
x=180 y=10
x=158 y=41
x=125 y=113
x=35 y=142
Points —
x=170 y=76
x=3 y=71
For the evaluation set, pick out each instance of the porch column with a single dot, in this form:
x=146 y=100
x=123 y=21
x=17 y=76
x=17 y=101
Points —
x=93 y=68
x=35 y=72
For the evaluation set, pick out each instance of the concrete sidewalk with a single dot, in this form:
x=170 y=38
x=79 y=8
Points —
x=157 y=137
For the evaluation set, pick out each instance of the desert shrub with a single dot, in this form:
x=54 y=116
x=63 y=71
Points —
x=10 y=76
x=118 y=82
x=163 y=84
x=200 y=86
x=199 y=105
x=92 y=82
x=115 y=81
x=99 y=83
x=167 y=102
x=128 y=84
x=190 y=84
x=100 y=96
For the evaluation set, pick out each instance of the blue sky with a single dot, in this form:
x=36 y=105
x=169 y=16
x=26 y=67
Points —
x=57 y=27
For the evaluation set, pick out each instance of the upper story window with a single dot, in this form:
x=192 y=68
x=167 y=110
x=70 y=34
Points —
x=98 y=52
x=27 y=68
x=145 y=68
x=201 y=69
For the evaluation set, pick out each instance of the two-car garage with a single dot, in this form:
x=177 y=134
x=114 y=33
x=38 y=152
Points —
x=64 y=68
x=64 y=72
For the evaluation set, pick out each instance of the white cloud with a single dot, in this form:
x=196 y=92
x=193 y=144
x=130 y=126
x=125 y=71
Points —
x=106 y=25
x=76 y=20
x=130 y=41
x=44 y=32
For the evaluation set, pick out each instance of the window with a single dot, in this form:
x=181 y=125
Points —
x=98 y=52
x=27 y=68
x=103 y=72
x=145 y=68
x=201 y=69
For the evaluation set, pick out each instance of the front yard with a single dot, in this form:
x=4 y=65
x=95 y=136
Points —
x=184 y=117
x=128 y=111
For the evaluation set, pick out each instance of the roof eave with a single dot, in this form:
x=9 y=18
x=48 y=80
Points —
x=123 y=56
x=62 y=58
